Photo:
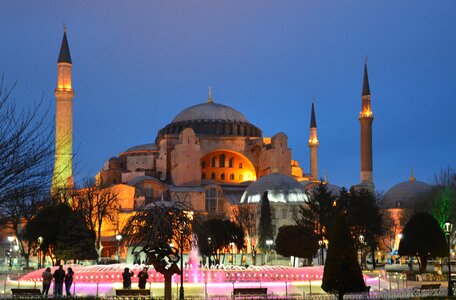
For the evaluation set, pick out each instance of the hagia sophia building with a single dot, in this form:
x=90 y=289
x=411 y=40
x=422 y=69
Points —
x=212 y=156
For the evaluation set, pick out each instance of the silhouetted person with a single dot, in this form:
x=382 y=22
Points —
x=142 y=278
x=126 y=276
x=68 y=281
x=59 y=276
x=47 y=279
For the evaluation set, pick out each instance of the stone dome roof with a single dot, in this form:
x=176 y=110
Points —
x=210 y=111
x=211 y=119
x=405 y=194
x=281 y=189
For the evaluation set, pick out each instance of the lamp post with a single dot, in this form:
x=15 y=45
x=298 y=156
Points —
x=361 y=241
x=10 y=239
x=448 y=231
x=209 y=243
x=181 y=290
x=320 y=243
x=40 y=241
x=118 y=238
x=232 y=253
x=269 y=243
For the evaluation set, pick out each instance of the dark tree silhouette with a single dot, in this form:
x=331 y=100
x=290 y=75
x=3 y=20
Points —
x=296 y=240
x=342 y=273
x=64 y=232
x=215 y=236
x=151 y=230
x=423 y=237
x=265 y=230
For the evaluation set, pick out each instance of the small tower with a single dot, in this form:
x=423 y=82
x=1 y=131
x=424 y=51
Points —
x=313 y=144
x=366 y=118
x=63 y=168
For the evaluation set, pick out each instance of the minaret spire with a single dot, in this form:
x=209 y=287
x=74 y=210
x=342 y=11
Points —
x=366 y=118
x=63 y=168
x=209 y=95
x=313 y=144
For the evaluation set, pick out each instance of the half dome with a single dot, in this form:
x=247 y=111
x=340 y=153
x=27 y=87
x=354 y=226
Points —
x=281 y=189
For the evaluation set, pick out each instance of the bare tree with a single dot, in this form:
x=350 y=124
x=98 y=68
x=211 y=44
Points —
x=97 y=204
x=245 y=216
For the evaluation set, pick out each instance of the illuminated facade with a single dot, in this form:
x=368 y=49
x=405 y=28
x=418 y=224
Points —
x=63 y=169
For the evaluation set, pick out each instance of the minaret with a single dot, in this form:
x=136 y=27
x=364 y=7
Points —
x=63 y=168
x=366 y=118
x=313 y=144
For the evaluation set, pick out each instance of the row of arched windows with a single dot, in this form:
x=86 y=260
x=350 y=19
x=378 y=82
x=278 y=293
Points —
x=221 y=162
x=222 y=176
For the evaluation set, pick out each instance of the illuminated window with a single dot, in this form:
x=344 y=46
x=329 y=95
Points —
x=231 y=162
x=240 y=165
x=240 y=177
x=222 y=161
x=213 y=162
x=231 y=176
x=222 y=176
x=212 y=175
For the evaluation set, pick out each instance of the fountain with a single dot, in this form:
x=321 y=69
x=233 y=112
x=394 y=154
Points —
x=218 y=280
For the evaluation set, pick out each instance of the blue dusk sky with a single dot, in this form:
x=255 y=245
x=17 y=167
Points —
x=136 y=64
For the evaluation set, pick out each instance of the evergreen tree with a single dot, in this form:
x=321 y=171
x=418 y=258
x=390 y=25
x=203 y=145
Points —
x=342 y=273
x=265 y=230
x=297 y=241
x=423 y=237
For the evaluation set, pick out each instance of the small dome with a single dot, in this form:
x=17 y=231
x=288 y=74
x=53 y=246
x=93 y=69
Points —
x=281 y=189
x=310 y=187
x=210 y=111
x=405 y=194
x=145 y=147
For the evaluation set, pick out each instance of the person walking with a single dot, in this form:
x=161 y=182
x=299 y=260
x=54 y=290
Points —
x=142 y=278
x=59 y=276
x=47 y=279
x=68 y=281
x=126 y=276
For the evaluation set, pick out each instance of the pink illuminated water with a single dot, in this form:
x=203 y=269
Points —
x=104 y=279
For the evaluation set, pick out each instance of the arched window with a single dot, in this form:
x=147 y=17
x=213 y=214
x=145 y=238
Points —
x=231 y=176
x=212 y=175
x=240 y=165
x=231 y=162
x=213 y=162
x=240 y=177
x=222 y=176
x=203 y=175
x=203 y=164
x=222 y=161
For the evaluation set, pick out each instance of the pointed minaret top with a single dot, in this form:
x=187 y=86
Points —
x=366 y=89
x=313 y=121
x=209 y=95
x=64 y=55
x=412 y=176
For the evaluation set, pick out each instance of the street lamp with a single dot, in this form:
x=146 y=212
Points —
x=181 y=290
x=209 y=243
x=118 y=238
x=40 y=241
x=10 y=239
x=269 y=243
x=320 y=243
x=232 y=253
x=361 y=241
x=448 y=231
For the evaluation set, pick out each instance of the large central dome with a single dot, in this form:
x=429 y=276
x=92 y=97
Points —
x=210 y=111
x=211 y=119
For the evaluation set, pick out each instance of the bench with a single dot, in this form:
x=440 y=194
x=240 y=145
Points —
x=26 y=293
x=238 y=292
x=426 y=289
x=142 y=293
